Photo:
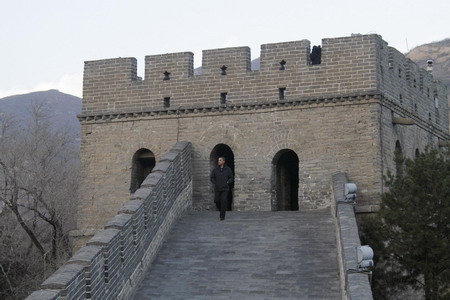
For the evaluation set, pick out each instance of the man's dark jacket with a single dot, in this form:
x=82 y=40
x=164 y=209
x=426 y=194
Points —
x=221 y=178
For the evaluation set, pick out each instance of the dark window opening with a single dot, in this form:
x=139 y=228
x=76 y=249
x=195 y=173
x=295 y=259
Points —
x=166 y=102
x=414 y=83
x=417 y=153
x=223 y=150
x=399 y=73
x=281 y=93
x=415 y=107
x=224 y=70
x=283 y=65
x=223 y=98
x=285 y=180
x=166 y=75
x=398 y=158
x=143 y=163
x=316 y=55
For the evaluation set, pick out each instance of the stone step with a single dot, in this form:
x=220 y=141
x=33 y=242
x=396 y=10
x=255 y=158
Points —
x=250 y=255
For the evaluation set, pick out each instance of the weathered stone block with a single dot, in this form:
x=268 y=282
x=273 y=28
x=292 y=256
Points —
x=63 y=277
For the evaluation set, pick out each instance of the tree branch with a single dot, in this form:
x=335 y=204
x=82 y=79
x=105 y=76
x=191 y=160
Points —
x=8 y=281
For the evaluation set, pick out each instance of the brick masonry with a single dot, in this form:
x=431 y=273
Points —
x=336 y=116
x=112 y=262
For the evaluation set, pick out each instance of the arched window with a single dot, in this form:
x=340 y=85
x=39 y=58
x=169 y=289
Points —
x=142 y=164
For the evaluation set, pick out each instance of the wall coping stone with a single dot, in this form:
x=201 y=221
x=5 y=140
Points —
x=85 y=255
x=169 y=156
x=151 y=180
x=62 y=277
x=119 y=221
x=47 y=294
x=103 y=237
x=357 y=285
x=180 y=146
x=161 y=166
x=131 y=206
x=141 y=193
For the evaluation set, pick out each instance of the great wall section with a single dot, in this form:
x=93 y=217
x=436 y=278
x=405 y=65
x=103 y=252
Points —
x=290 y=131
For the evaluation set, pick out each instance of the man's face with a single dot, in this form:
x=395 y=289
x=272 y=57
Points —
x=221 y=161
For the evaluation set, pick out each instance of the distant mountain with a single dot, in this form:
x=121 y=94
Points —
x=62 y=108
x=439 y=52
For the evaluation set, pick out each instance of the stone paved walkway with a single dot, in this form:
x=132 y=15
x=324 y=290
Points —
x=250 y=255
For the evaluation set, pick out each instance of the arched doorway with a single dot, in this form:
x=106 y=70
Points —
x=141 y=165
x=224 y=150
x=285 y=180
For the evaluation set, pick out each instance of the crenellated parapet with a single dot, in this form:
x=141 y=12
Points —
x=113 y=86
x=347 y=65
x=412 y=88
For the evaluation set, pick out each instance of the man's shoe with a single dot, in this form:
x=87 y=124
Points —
x=221 y=219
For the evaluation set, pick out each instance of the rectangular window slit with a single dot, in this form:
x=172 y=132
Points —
x=223 y=98
x=166 y=102
x=281 y=93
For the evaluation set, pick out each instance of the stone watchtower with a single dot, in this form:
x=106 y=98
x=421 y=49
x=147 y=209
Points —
x=284 y=129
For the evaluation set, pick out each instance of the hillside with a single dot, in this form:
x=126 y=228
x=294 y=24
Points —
x=439 y=52
x=62 y=108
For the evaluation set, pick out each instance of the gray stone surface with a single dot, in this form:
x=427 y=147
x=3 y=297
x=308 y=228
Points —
x=357 y=285
x=45 y=294
x=62 y=277
x=250 y=255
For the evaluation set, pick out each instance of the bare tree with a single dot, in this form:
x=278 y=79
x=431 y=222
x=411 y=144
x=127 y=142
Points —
x=38 y=187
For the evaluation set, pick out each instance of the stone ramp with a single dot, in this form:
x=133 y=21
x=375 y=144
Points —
x=250 y=255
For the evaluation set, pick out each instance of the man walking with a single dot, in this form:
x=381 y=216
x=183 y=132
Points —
x=221 y=177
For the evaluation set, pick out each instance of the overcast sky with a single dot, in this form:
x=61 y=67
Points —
x=44 y=43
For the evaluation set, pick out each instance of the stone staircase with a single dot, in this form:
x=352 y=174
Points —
x=250 y=255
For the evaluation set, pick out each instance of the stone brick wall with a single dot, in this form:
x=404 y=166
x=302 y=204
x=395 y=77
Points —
x=411 y=88
x=114 y=261
x=336 y=116
x=348 y=66
x=323 y=136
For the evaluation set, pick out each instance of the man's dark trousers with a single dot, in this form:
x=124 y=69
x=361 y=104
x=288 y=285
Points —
x=221 y=198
